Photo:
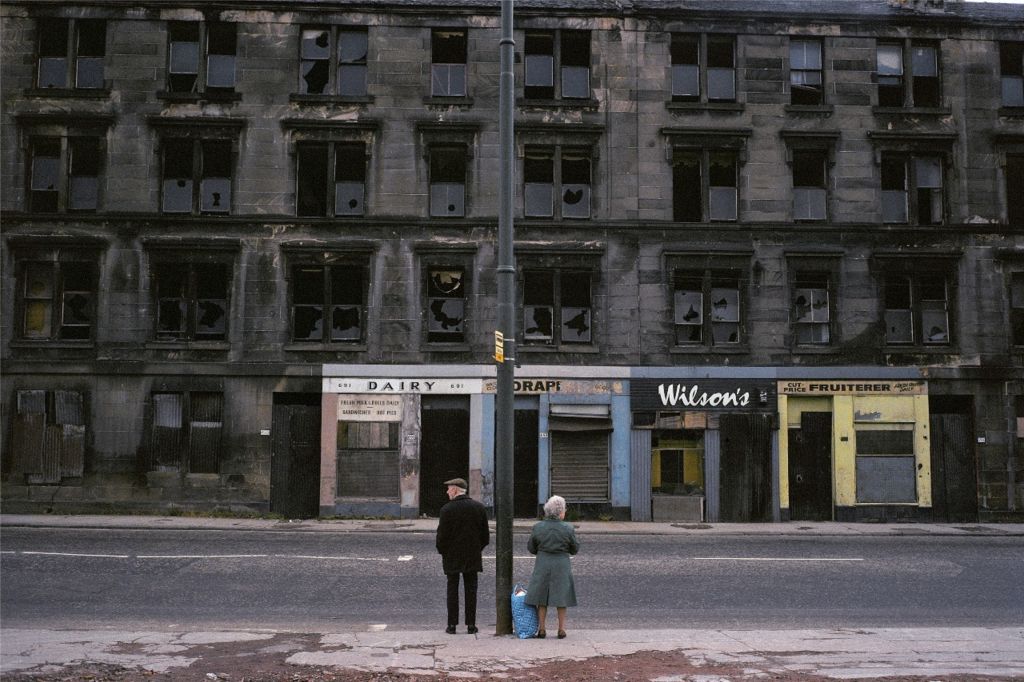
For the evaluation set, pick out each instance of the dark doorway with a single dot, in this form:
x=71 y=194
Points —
x=444 y=448
x=524 y=471
x=295 y=459
x=810 y=468
x=745 y=480
x=954 y=481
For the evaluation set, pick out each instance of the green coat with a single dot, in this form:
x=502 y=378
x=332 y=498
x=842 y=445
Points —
x=551 y=584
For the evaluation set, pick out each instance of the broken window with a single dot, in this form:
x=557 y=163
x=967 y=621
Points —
x=185 y=432
x=538 y=183
x=448 y=63
x=1017 y=308
x=201 y=57
x=571 y=182
x=912 y=189
x=1014 y=172
x=353 y=46
x=539 y=69
x=571 y=51
x=689 y=52
x=805 y=73
x=448 y=182
x=64 y=174
x=197 y=175
x=328 y=292
x=889 y=69
x=58 y=300
x=71 y=51
x=191 y=301
x=322 y=165
x=706 y=307
x=575 y=188
x=811 y=308
x=907 y=74
x=446 y=304
x=1011 y=71
x=557 y=295
x=695 y=199
x=685 y=53
x=48 y=440
x=809 y=185
x=344 y=75
x=917 y=309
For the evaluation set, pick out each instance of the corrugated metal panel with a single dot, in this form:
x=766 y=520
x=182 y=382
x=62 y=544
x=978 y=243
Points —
x=48 y=469
x=712 y=473
x=27 y=443
x=886 y=479
x=579 y=465
x=368 y=473
x=31 y=402
x=72 y=453
x=640 y=475
x=204 y=447
x=68 y=408
x=166 y=433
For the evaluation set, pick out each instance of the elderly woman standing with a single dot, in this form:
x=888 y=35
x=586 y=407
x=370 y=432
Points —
x=553 y=541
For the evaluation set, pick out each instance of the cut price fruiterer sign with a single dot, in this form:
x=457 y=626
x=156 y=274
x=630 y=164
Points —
x=499 y=346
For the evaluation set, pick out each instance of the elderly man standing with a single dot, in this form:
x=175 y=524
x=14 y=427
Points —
x=462 y=534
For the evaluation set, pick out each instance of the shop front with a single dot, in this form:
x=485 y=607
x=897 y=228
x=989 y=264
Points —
x=703 y=449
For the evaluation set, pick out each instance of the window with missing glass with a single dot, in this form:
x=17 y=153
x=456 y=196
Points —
x=705 y=185
x=333 y=60
x=810 y=184
x=812 y=308
x=71 y=53
x=446 y=304
x=707 y=306
x=196 y=175
x=330 y=178
x=917 y=309
x=1013 y=174
x=907 y=74
x=912 y=188
x=64 y=172
x=201 y=57
x=1017 y=308
x=191 y=300
x=556 y=183
x=805 y=72
x=1011 y=73
x=57 y=299
x=328 y=302
x=448 y=62
x=565 y=53
x=557 y=306
x=447 y=181
x=703 y=68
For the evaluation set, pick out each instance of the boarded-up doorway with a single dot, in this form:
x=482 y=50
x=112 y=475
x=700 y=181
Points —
x=954 y=479
x=295 y=460
x=444 y=448
x=810 y=468
x=524 y=472
x=745 y=480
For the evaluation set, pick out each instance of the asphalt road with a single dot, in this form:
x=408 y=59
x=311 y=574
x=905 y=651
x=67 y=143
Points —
x=99 y=578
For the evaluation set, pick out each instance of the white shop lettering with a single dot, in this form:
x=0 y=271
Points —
x=693 y=396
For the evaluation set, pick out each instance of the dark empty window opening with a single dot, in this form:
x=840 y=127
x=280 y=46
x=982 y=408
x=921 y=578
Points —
x=448 y=182
x=64 y=174
x=1015 y=189
x=805 y=73
x=907 y=74
x=703 y=68
x=564 y=296
x=917 y=310
x=448 y=63
x=687 y=188
x=889 y=66
x=575 y=64
x=812 y=308
x=197 y=175
x=201 y=57
x=575 y=188
x=316 y=175
x=809 y=185
x=539 y=68
x=1017 y=308
x=704 y=185
x=912 y=189
x=446 y=304
x=706 y=307
x=192 y=301
x=71 y=51
x=570 y=51
x=335 y=291
x=538 y=184
x=183 y=70
x=550 y=172
x=1011 y=71
x=58 y=300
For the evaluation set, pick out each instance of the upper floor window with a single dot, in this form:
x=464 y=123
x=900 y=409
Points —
x=1014 y=173
x=448 y=63
x=705 y=185
x=196 y=175
x=812 y=308
x=1011 y=71
x=326 y=165
x=703 y=68
x=907 y=74
x=1017 y=308
x=328 y=302
x=917 y=309
x=191 y=300
x=805 y=72
x=71 y=53
x=570 y=50
x=333 y=61
x=557 y=295
x=448 y=182
x=57 y=299
x=201 y=57
x=810 y=183
x=707 y=306
x=556 y=172
x=446 y=304
x=64 y=173
x=912 y=189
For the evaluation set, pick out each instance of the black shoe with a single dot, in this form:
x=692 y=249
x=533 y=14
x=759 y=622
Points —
x=472 y=630
x=450 y=629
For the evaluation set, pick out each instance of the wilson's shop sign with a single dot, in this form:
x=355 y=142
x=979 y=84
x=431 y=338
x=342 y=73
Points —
x=706 y=394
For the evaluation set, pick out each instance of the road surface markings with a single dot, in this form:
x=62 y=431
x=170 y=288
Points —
x=767 y=558
x=200 y=556
x=528 y=556
x=343 y=558
x=405 y=557
x=97 y=556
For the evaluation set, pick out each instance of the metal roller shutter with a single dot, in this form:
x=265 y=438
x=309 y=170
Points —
x=579 y=465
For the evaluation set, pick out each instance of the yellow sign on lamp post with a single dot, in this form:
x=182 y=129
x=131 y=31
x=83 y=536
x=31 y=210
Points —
x=499 y=346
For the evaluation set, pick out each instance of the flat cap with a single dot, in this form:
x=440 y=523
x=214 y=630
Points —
x=458 y=483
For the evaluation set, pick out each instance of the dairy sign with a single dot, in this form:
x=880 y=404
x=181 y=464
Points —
x=403 y=385
x=702 y=394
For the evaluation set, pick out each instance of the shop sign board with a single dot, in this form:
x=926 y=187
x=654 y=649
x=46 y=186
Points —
x=541 y=385
x=369 y=408
x=702 y=394
x=399 y=385
x=858 y=387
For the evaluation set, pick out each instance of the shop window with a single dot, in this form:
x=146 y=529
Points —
x=448 y=63
x=325 y=165
x=557 y=295
x=917 y=310
x=446 y=305
x=703 y=68
x=677 y=463
x=556 y=172
x=48 y=440
x=705 y=185
x=1017 y=308
x=58 y=300
x=64 y=173
x=342 y=76
x=812 y=309
x=368 y=455
x=447 y=182
x=201 y=57
x=805 y=72
x=707 y=307
x=185 y=432
x=907 y=74
x=810 y=182
x=71 y=53
x=1011 y=71
x=191 y=301
x=886 y=466
x=571 y=51
x=1014 y=173
x=197 y=175
x=329 y=303
x=912 y=189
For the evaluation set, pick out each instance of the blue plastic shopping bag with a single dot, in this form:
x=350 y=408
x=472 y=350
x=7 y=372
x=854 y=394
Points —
x=524 y=616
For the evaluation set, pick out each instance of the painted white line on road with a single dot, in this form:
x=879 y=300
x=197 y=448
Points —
x=342 y=558
x=528 y=556
x=405 y=557
x=96 y=556
x=378 y=627
x=760 y=558
x=200 y=556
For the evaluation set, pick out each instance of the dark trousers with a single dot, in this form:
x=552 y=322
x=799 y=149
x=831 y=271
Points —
x=469 y=581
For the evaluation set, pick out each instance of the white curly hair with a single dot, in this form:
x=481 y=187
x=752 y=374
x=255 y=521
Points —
x=555 y=506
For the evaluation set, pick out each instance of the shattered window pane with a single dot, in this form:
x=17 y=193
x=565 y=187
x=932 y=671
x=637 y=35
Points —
x=315 y=56
x=575 y=186
x=38 y=300
x=350 y=179
x=216 y=176
x=307 y=303
x=446 y=303
x=311 y=179
x=347 y=300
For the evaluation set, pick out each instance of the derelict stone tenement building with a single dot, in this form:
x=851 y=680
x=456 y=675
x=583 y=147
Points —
x=769 y=256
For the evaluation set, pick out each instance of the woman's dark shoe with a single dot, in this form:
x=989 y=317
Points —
x=541 y=634
x=561 y=634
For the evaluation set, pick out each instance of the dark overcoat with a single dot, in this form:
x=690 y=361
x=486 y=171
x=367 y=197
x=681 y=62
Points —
x=462 y=534
x=551 y=584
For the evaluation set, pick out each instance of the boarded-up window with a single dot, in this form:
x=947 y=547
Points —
x=368 y=460
x=49 y=436
x=579 y=452
x=185 y=432
x=885 y=463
